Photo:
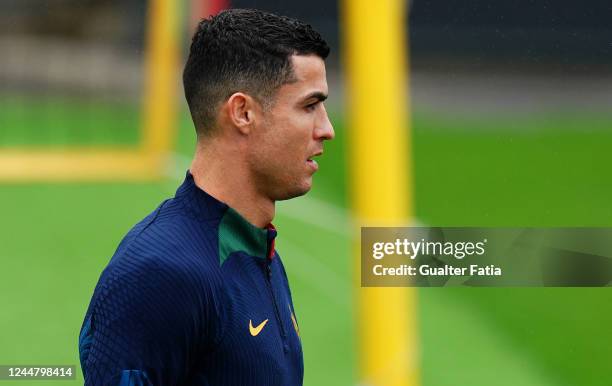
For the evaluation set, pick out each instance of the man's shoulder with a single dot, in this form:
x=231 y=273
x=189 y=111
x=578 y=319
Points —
x=170 y=239
x=164 y=256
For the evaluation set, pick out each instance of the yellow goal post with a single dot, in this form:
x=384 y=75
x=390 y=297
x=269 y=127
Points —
x=146 y=160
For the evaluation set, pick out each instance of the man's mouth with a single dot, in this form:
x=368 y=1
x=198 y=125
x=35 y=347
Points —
x=312 y=162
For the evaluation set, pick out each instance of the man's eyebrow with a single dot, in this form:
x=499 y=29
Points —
x=318 y=95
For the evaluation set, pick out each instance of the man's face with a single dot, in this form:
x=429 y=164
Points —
x=291 y=133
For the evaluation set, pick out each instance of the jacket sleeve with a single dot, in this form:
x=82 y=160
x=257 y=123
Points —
x=146 y=324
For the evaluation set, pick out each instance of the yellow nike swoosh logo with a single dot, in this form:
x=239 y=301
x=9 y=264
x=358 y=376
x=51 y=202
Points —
x=256 y=330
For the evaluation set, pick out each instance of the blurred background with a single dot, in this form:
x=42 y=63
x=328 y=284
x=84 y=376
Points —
x=511 y=125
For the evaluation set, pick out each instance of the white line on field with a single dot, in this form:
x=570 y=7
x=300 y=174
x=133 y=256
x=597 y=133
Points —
x=319 y=213
x=318 y=275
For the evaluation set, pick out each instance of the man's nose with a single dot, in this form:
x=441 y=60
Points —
x=324 y=129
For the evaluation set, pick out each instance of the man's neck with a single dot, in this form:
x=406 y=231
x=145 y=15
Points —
x=225 y=177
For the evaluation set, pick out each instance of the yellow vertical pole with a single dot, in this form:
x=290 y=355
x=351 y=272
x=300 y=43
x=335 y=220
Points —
x=376 y=74
x=161 y=61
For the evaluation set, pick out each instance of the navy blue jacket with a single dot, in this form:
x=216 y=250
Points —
x=194 y=295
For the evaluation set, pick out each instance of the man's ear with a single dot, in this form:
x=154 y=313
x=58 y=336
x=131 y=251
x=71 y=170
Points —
x=242 y=111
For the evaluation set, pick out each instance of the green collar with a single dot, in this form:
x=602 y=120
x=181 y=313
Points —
x=236 y=234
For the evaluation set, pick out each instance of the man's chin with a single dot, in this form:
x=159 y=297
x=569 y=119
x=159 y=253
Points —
x=296 y=191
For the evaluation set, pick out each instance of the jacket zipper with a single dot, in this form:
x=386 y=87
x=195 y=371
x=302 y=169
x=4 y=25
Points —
x=276 y=310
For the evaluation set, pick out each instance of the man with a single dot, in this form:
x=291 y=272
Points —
x=196 y=293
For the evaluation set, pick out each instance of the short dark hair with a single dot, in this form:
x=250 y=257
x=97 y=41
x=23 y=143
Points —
x=243 y=50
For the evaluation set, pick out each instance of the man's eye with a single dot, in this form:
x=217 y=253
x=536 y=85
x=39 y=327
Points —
x=312 y=106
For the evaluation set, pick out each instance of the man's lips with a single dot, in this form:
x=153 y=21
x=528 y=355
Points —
x=315 y=155
x=312 y=162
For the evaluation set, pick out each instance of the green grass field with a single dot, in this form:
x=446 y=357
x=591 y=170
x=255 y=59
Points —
x=534 y=171
x=60 y=121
